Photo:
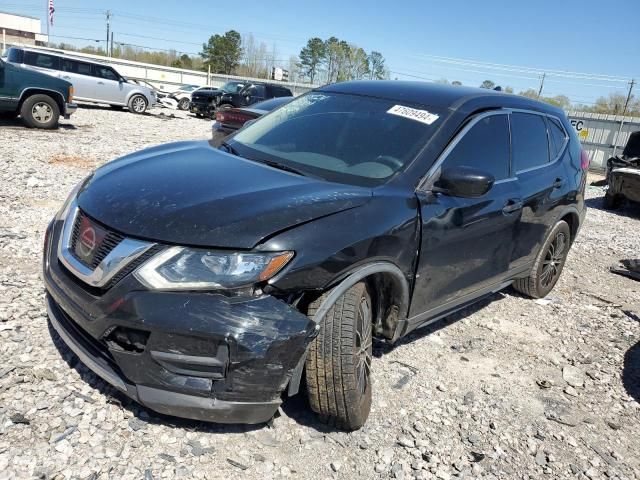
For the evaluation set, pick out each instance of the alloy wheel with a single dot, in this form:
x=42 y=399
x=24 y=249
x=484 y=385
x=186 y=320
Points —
x=42 y=112
x=553 y=260
x=364 y=342
x=139 y=105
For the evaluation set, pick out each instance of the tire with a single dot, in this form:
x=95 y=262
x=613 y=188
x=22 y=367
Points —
x=225 y=106
x=611 y=202
x=338 y=366
x=138 y=104
x=183 y=104
x=549 y=263
x=40 y=111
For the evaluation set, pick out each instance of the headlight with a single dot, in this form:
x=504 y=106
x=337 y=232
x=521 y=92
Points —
x=179 y=268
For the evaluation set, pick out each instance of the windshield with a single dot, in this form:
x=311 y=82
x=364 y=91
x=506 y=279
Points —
x=232 y=87
x=343 y=138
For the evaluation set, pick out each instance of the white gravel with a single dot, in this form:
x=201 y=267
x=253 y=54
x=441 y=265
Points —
x=511 y=388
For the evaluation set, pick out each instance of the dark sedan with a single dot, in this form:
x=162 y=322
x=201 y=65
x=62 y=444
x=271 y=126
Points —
x=229 y=121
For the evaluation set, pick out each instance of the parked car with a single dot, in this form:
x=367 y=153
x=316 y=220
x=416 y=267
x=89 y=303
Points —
x=92 y=81
x=623 y=174
x=231 y=120
x=204 y=282
x=204 y=101
x=183 y=96
x=252 y=93
x=38 y=98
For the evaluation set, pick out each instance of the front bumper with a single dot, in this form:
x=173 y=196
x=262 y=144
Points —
x=202 y=108
x=198 y=355
x=69 y=109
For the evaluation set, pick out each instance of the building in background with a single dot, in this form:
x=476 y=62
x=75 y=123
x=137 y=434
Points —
x=20 y=29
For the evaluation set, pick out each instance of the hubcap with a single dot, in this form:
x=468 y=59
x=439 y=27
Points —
x=138 y=104
x=363 y=345
x=553 y=260
x=42 y=112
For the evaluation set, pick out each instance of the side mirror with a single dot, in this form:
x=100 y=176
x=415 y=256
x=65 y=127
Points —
x=466 y=182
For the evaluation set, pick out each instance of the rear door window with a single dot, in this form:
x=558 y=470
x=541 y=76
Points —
x=74 y=66
x=485 y=147
x=258 y=91
x=42 y=60
x=557 y=137
x=529 y=141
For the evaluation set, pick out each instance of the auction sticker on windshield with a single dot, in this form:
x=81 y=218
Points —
x=414 y=114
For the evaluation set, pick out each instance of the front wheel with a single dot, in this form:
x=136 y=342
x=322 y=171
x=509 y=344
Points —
x=40 y=111
x=138 y=104
x=183 y=104
x=338 y=367
x=549 y=263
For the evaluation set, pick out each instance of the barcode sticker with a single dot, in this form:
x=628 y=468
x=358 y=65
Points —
x=422 y=116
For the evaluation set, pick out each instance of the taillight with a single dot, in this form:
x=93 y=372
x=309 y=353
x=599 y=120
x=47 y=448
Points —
x=233 y=117
x=584 y=160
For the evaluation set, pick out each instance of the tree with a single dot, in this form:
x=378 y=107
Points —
x=311 y=57
x=223 y=52
x=508 y=89
x=377 y=70
x=456 y=83
x=488 y=84
x=334 y=58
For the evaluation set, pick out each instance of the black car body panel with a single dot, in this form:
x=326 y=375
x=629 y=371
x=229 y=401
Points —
x=206 y=103
x=427 y=253
x=191 y=177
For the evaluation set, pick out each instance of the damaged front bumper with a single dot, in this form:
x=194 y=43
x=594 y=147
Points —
x=196 y=355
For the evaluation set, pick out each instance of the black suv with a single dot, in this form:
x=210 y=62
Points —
x=205 y=283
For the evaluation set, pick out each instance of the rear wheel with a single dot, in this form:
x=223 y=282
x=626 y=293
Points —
x=549 y=263
x=138 y=104
x=40 y=111
x=338 y=367
x=183 y=104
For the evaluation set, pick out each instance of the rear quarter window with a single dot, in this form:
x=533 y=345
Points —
x=529 y=142
x=15 y=55
x=42 y=60
x=557 y=137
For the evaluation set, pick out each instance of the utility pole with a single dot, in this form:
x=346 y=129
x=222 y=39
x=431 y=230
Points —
x=626 y=104
x=541 y=84
x=108 y=13
x=111 y=44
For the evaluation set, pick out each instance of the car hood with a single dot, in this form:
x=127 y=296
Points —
x=189 y=193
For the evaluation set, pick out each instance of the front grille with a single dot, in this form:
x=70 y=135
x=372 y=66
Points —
x=133 y=265
x=110 y=241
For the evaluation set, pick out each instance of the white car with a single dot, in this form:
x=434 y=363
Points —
x=92 y=81
x=183 y=95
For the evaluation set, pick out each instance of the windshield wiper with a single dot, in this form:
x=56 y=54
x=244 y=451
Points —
x=282 y=166
x=230 y=149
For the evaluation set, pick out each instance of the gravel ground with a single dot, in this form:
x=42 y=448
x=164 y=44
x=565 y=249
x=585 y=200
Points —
x=511 y=388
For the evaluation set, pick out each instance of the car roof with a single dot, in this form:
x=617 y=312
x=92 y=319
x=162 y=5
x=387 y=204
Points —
x=437 y=95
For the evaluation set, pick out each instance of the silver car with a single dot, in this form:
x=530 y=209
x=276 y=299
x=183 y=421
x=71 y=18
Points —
x=92 y=81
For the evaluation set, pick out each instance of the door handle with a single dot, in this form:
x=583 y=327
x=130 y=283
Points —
x=100 y=83
x=557 y=183
x=513 y=205
x=67 y=77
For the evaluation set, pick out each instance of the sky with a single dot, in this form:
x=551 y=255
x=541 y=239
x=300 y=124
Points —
x=509 y=42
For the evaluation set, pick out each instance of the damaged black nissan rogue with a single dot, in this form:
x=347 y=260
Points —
x=213 y=283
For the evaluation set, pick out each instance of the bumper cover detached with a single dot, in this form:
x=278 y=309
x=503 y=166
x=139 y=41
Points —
x=188 y=354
